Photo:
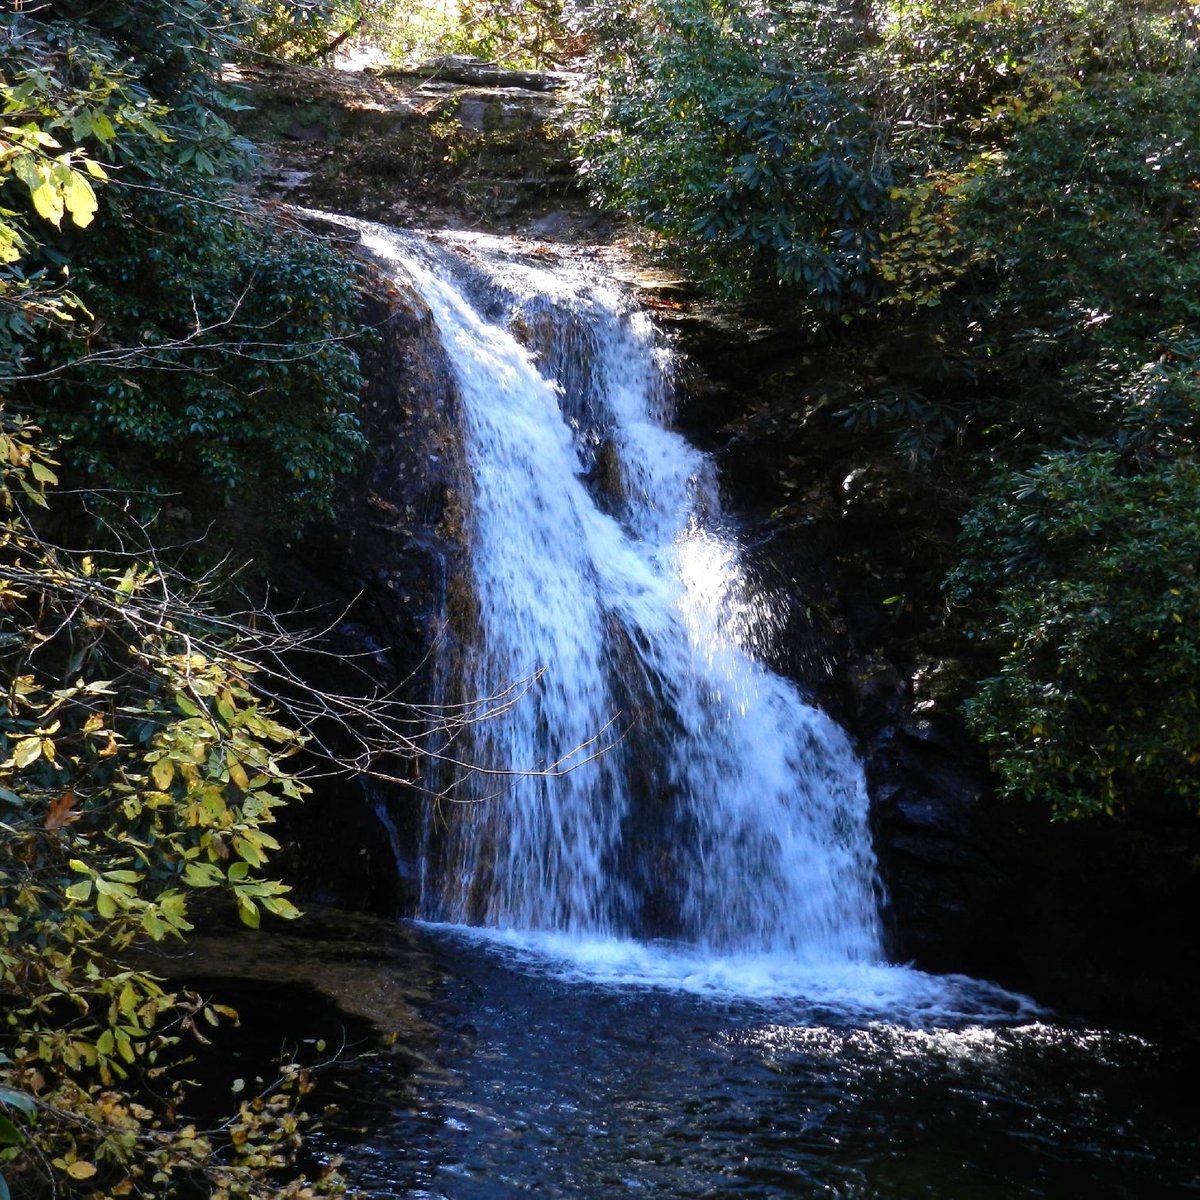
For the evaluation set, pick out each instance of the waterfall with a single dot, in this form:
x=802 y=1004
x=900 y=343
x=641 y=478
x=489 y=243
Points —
x=645 y=775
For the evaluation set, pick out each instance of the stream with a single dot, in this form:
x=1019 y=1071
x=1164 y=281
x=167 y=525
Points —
x=468 y=1066
x=518 y=1072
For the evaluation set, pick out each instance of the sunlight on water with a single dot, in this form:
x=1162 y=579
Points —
x=972 y=1044
x=855 y=992
x=718 y=614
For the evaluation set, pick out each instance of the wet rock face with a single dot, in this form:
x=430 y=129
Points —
x=943 y=857
x=378 y=580
x=1094 y=919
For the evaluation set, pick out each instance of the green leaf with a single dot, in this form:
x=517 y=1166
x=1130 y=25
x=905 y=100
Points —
x=281 y=907
x=48 y=201
x=173 y=906
x=249 y=851
x=248 y=912
x=80 y=891
x=21 y=1101
x=124 y=1045
x=123 y=876
x=154 y=925
x=10 y=1135
x=202 y=875
x=43 y=474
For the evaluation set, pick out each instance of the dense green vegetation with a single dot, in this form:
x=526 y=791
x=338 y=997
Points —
x=203 y=350
x=735 y=133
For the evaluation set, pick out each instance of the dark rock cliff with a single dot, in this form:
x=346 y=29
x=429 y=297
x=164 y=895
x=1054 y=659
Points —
x=377 y=580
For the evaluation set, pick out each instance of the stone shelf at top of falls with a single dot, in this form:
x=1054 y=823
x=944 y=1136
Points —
x=422 y=147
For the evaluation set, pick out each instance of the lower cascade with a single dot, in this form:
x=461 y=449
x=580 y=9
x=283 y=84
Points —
x=669 y=784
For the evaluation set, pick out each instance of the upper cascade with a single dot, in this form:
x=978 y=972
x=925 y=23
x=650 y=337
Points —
x=644 y=774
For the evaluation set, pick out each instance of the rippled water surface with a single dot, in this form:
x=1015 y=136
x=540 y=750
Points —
x=541 y=1081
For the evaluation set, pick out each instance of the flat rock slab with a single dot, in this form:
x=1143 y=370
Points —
x=475 y=72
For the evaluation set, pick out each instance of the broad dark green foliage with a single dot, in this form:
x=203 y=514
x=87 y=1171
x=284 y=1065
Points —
x=733 y=131
x=1079 y=572
x=1084 y=571
x=241 y=391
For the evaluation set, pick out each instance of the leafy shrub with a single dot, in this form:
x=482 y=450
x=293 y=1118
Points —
x=57 y=128
x=731 y=132
x=138 y=770
x=306 y=30
x=952 y=78
x=195 y=347
x=139 y=766
x=514 y=32
x=1092 y=216
x=1049 y=269
x=225 y=374
x=1083 y=578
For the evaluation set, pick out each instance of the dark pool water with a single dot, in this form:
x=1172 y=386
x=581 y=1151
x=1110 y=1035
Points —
x=529 y=1082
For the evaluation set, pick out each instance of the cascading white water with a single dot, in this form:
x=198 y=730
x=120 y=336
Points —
x=724 y=812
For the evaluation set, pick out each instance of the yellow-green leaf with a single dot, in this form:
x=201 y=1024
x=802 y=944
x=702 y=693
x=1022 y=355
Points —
x=248 y=912
x=79 y=198
x=48 y=201
x=80 y=891
x=281 y=907
x=27 y=750
x=202 y=875
x=237 y=773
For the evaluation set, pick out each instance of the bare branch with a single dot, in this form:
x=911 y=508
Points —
x=359 y=731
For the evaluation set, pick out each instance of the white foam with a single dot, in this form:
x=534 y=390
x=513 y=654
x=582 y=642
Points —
x=852 y=992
